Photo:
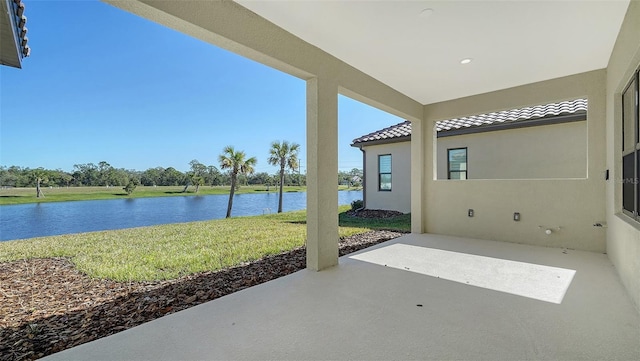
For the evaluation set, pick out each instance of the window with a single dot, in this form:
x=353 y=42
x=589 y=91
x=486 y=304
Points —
x=631 y=149
x=457 y=163
x=384 y=172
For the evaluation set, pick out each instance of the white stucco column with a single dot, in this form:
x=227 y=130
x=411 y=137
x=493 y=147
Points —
x=322 y=173
x=417 y=176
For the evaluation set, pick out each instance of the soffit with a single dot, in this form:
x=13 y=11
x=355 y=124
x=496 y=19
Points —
x=511 y=43
x=9 y=49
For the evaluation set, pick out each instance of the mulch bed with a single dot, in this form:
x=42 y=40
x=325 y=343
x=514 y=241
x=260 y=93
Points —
x=373 y=213
x=47 y=305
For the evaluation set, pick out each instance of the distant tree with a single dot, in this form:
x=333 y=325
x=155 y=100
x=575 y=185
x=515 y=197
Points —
x=213 y=177
x=243 y=179
x=9 y=176
x=63 y=178
x=195 y=176
x=272 y=180
x=172 y=177
x=284 y=155
x=151 y=176
x=262 y=178
x=275 y=179
x=86 y=174
x=131 y=185
x=4 y=176
x=236 y=163
x=104 y=173
x=350 y=178
x=291 y=179
x=120 y=176
x=355 y=177
x=225 y=178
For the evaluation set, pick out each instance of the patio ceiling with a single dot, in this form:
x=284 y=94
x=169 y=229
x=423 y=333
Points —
x=416 y=47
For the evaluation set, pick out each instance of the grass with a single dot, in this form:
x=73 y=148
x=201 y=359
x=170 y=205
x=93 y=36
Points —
x=172 y=250
x=28 y=195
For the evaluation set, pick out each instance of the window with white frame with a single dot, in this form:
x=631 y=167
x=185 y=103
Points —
x=384 y=172
x=631 y=149
x=457 y=163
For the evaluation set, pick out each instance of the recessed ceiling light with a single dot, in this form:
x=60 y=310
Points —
x=465 y=61
x=425 y=13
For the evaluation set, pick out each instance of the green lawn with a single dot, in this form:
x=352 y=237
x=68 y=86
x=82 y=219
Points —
x=172 y=250
x=28 y=195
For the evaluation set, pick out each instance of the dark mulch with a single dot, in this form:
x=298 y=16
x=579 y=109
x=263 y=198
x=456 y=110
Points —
x=47 y=306
x=373 y=213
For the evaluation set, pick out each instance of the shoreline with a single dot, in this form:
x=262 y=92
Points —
x=17 y=196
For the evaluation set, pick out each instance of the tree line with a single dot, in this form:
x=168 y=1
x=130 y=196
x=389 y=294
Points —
x=237 y=167
x=103 y=174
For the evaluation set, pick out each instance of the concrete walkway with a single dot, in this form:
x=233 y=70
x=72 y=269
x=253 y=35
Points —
x=415 y=297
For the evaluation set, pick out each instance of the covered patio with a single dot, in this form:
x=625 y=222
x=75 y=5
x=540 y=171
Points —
x=416 y=297
x=570 y=294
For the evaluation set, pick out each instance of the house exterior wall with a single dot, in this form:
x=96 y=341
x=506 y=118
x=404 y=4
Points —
x=547 y=151
x=623 y=233
x=399 y=198
x=569 y=206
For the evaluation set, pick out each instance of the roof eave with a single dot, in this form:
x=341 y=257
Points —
x=10 y=50
x=549 y=120
x=381 y=141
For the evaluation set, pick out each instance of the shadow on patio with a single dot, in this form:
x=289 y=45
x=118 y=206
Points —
x=407 y=298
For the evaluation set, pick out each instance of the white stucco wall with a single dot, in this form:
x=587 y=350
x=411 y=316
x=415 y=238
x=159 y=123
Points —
x=623 y=233
x=399 y=198
x=568 y=206
x=547 y=151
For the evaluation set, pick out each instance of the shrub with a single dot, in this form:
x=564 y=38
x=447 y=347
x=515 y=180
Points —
x=131 y=186
x=357 y=204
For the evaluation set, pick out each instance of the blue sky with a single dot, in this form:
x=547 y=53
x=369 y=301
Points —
x=103 y=84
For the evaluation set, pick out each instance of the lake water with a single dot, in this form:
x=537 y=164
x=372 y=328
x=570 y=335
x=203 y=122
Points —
x=48 y=219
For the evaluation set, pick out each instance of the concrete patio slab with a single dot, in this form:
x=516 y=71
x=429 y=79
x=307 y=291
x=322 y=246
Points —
x=382 y=303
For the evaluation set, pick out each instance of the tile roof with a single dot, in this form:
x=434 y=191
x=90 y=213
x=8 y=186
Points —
x=403 y=130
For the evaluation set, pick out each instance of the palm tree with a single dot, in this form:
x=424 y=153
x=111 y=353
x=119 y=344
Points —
x=235 y=162
x=286 y=156
x=39 y=175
